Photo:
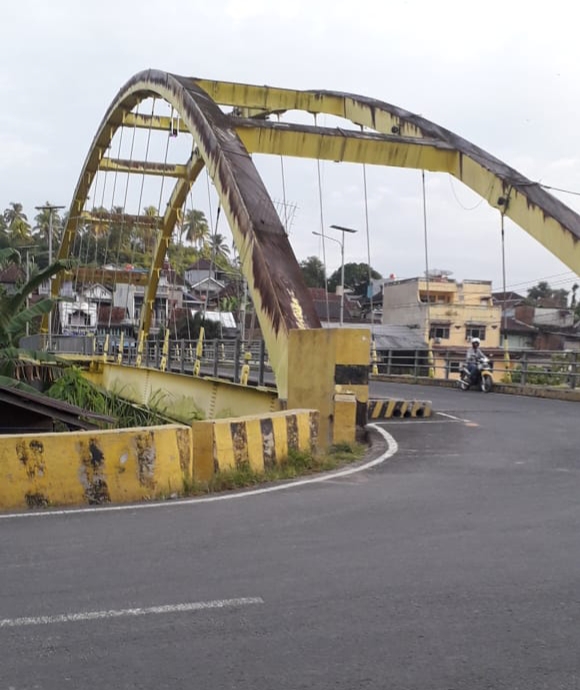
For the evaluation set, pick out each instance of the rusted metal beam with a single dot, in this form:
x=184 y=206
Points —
x=345 y=146
x=223 y=141
x=154 y=122
x=280 y=295
x=142 y=167
x=547 y=219
x=100 y=218
x=107 y=276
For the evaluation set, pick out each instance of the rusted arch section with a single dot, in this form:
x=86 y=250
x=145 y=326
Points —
x=223 y=142
x=281 y=298
x=548 y=220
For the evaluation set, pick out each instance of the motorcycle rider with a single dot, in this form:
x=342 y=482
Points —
x=473 y=357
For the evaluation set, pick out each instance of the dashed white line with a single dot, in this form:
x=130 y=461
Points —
x=121 y=613
x=392 y=448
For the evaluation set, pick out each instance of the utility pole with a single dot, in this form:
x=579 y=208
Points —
x=51 y=209
x=27 y=279
x=342 y=229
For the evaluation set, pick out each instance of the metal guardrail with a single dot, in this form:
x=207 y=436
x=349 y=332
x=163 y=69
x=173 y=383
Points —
x=557 y=368
x=225 y=358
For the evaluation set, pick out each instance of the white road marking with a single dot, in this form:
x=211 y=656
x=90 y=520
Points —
x=449 y=419
x=415 y=422
x=392 y=448
x=121 y=613
x=452 y=416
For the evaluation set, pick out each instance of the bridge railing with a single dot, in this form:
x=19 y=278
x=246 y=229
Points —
x=554 y=368
x=219 y=358
x=225 y=359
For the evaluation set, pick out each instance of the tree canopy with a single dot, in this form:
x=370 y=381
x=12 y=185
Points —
x=356 y=278
x=542 y=290
x=313 y=272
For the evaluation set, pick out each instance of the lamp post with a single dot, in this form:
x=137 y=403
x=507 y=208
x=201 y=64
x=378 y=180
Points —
x=342 y=229
x=51 y=208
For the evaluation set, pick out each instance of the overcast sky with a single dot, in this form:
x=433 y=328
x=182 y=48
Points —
x=505 y=75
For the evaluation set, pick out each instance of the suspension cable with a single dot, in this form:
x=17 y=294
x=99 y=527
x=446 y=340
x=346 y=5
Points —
x=503 y=268
x=139 y=206
x=284 y=190
x=158 y=238
x=426 y=255
x=370 y=289
x=123 y=222
x=323 y=236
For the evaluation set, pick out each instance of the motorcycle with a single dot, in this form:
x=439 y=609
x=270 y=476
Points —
x=482 y=377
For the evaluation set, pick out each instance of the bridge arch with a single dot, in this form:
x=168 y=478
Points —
x=224 y=143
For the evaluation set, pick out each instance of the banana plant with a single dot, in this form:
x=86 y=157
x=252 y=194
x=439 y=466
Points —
x=14 y=314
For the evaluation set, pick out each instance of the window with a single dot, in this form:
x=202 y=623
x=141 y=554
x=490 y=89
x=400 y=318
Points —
x=441 y=332
x=475 y=332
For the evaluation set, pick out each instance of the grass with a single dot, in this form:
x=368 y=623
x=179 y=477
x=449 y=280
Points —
x=73 y=388
x=297 y=464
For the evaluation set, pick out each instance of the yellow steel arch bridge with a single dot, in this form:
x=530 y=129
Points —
x=228 y=122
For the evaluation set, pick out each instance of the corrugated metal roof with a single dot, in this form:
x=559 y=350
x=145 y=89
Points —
x=56 y=409
x=390 y=337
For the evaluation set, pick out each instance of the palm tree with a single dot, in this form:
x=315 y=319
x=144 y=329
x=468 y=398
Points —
x=148 y=231
x=17 y=222
x=42 y=224
x=195 y=227
x=218 y=246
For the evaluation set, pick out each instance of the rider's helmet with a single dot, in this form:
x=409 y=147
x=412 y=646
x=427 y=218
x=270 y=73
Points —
x=475 y=342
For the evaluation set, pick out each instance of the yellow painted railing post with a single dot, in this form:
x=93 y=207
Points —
x=139 y=358
x=165 y=351
x=106 y=348
x=507 y=375
x=374 y=358
x=199 y=352
x=121 y=345
x=246 y=369
x=431 y=360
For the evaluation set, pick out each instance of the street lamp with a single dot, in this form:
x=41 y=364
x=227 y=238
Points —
x=51 y=209
x=342 y=229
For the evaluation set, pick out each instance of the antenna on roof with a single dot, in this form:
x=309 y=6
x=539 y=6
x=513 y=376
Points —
x=437 y=273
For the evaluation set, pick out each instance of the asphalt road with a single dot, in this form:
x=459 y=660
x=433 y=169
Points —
x=455 y=564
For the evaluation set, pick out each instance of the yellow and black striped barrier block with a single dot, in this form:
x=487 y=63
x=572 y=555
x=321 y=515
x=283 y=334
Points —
x=258 y=441
x=393 y=408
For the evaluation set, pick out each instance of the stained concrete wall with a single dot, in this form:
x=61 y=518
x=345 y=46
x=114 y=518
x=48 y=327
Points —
x=93 y=467
x=260 y=441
